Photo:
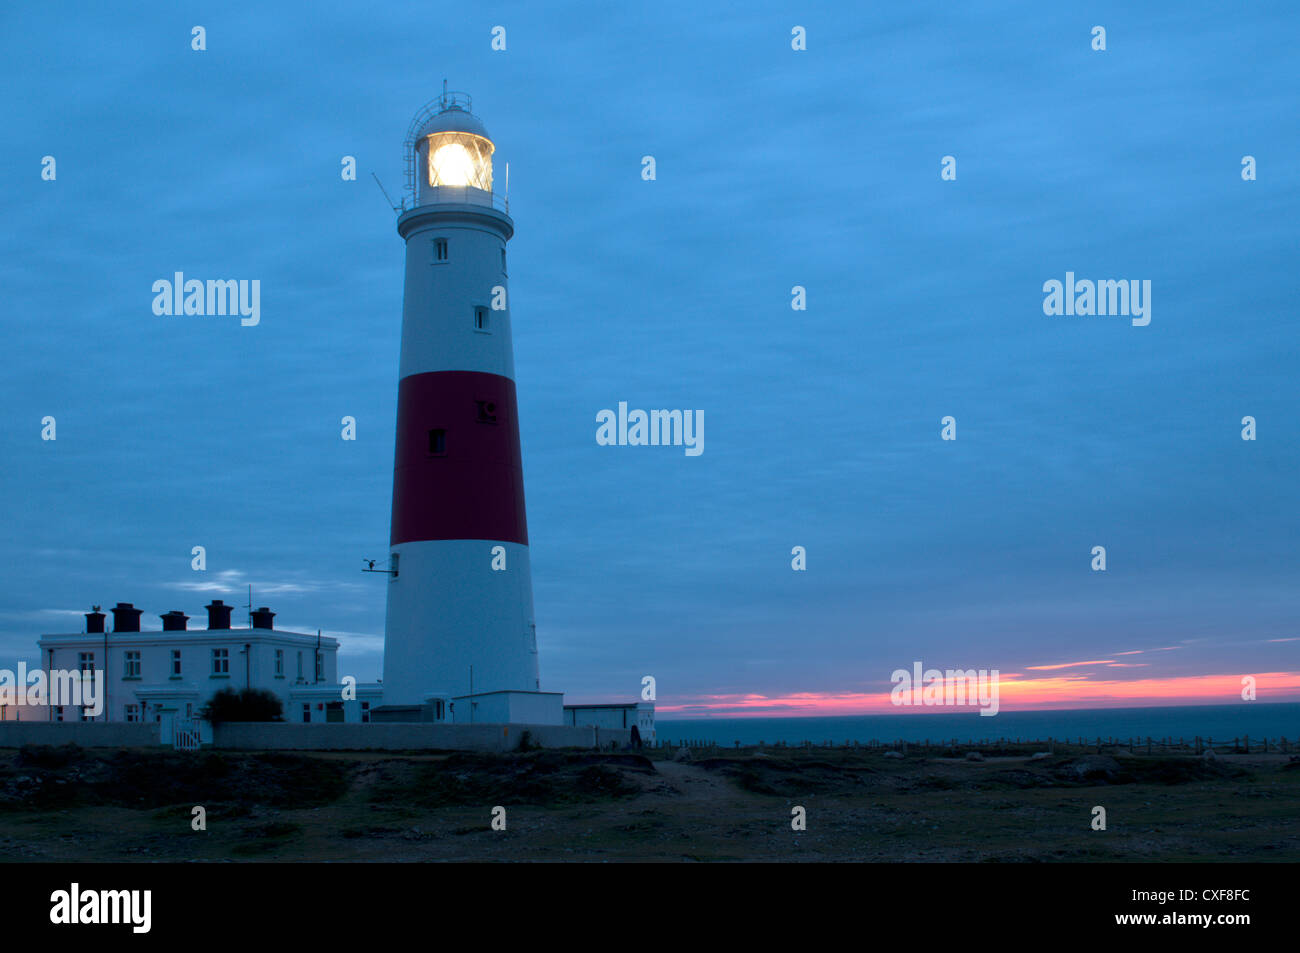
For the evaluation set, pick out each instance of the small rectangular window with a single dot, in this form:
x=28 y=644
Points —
x=131 y=664
x=87 y=660
x=393 y=559
x=320 y=666
x=440 y=249
x=306 y=711
x=365 y=711
x=132 y=712
x=300 y=666
x=221 y=661
x=437 y=443
x=279 y=663
x=176 y=663
x=503 y=259
x=481 y=320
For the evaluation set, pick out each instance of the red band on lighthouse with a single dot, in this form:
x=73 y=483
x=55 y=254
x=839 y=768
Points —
x=458 y=472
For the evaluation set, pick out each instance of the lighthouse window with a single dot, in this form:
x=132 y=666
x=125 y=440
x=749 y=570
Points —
x=481 y=319
x=437 y=442
x=440 y=249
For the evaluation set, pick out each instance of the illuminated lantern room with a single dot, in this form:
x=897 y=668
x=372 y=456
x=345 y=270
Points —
x=449 y=154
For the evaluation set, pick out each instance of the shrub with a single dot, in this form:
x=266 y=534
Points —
x=248 y=704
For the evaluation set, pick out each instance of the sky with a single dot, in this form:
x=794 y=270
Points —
x=774 y=168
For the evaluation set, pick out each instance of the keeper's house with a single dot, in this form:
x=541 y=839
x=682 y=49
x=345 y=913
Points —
x=179 y=670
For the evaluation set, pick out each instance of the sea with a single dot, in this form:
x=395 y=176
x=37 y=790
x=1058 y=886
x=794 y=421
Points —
x=1258 y=720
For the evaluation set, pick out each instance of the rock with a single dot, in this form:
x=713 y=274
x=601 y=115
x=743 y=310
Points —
x=894 y=754
x=1040 y=755
x=974 y=756
x=1098 y=766
x=1209 y=754
x=682 y=754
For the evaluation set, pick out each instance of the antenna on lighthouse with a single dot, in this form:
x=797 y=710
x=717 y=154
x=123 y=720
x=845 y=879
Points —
x=387 y=197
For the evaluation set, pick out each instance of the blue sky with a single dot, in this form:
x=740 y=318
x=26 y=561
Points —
x=775 y=168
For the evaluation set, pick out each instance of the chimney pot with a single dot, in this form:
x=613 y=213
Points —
x=95 y=620
x=262 y=617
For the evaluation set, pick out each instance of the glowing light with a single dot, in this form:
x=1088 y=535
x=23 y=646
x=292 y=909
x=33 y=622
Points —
x=452 y=165
x=460 y=160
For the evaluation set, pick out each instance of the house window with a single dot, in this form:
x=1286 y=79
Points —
x=481 y=319
x=87 y=660
x=58 y=712
x=176 y=663
x=300 y=666
x=437 y=443
x=130 y=664
x=132 y=713
x=221 y=661
x=306 y=711
x=85 y=713
x=440 y=249
x=437 y=709
x=320 y=666
x=279 y=663
x=365 y=711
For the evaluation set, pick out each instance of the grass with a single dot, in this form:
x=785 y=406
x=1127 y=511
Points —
x=66 y=803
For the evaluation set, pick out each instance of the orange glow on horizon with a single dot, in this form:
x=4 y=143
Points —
x=1015 y=693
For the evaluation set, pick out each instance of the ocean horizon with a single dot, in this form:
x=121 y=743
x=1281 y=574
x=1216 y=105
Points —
x=1258 y=720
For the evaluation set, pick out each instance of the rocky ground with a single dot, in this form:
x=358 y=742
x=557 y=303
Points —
x=70 y=804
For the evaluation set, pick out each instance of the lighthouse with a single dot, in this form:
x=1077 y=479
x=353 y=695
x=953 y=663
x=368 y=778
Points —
x=459 y=640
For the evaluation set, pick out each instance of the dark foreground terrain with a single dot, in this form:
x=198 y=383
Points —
x=71 y=804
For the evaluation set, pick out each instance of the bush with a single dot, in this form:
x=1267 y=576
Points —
x=248 y=704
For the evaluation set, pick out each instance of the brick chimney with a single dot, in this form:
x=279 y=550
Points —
x=126 y=617
x=95 y=620
x=174 y=621
x=218 y=614
x=262 y=618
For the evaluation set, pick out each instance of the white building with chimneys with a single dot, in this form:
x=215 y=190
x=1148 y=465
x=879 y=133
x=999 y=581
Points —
x=176 y=670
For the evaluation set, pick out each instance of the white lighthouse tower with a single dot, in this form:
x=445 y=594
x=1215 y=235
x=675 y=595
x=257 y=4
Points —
x=459 y=640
